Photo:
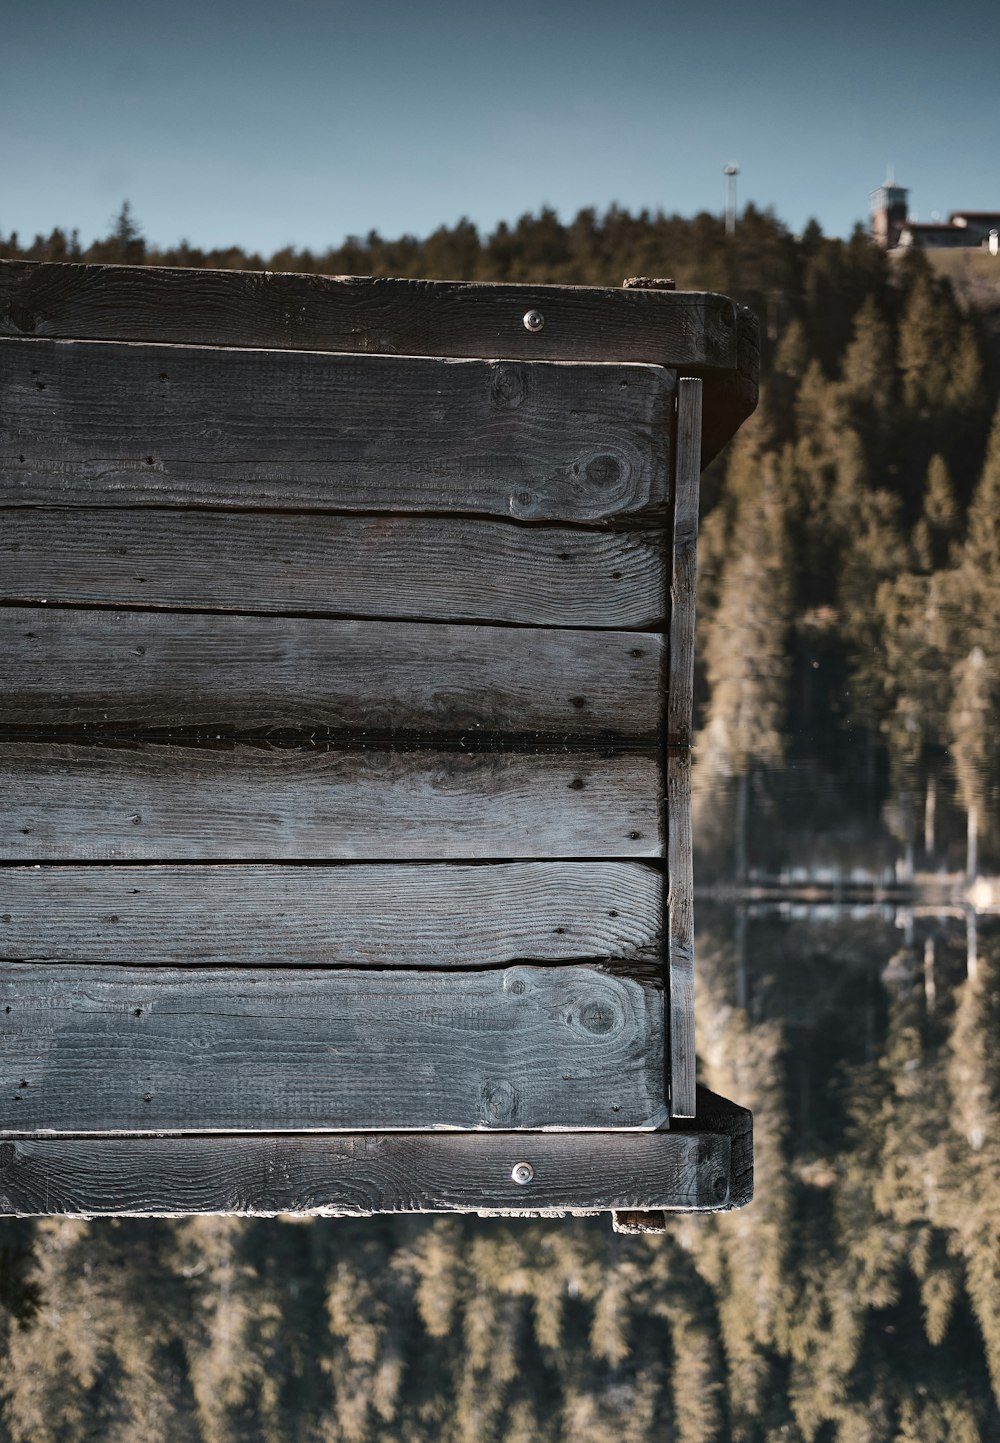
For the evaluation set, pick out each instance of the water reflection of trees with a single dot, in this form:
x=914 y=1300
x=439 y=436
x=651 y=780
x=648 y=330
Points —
x=855 y=1299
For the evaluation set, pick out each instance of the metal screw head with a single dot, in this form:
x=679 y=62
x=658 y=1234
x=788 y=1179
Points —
x=533 y=320
x=522 y=1173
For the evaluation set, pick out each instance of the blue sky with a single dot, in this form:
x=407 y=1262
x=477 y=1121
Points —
x=307 y=120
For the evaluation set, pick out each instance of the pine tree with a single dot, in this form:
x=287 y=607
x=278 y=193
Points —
x=126 y=237
x=747 y=661
x=972 y=725
x=868 y=369
x=973 y=594
x=926 y=346
x=937 y=528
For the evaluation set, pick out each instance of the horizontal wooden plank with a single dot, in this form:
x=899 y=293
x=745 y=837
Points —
x=347 y=915
x=97 y=423
x=152 y=669
x=355 y=1176
x=700 y=334
x=181 y=803
x=361 y=313
x=367 y=566
x=107 y=1049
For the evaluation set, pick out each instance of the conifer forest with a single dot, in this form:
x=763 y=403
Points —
x=847 y=835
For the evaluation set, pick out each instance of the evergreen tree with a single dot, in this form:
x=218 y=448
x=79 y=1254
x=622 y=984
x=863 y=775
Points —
x=746 y=657
x=937 y=528
x=972 y=725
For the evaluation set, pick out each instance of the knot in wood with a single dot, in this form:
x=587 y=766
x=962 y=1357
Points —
x=508 y=385
x=598 y=1017
x=604 y=471
x=499 y=1102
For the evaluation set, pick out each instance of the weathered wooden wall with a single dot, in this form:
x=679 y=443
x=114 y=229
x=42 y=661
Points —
x=341 y=694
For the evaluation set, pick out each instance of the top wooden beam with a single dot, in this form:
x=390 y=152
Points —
x=698 y=334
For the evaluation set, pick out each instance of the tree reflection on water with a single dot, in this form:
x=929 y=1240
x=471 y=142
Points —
x=855 y=1298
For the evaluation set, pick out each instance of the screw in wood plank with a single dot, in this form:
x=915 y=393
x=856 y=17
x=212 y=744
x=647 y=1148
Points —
x=522 y=1173
x=533 y=321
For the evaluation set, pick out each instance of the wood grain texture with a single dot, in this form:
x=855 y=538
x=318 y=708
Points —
x=680 y=935
x=64 y=802
x=348 y=915
x=680 y=695
x=355 y=1176
x=144 y=425
x=697 y=333
x=684 y=578
x=154 y=1049
x=459 y=569
x=715 y=1116
x=148 y=669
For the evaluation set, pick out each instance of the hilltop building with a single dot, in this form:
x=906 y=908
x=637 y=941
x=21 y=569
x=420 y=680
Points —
x=893 y=230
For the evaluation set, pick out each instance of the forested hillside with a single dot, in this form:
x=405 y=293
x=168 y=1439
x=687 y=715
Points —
x=850 y=663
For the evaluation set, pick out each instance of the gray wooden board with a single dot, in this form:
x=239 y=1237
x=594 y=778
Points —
x=680 y=698
x=699 y=333
x=718 y=1115
x=680 y=936
x=142 y=425
x=63 y=802
x=108 y=1050
x=364 y=566
x=357 y=1175
x=73 y=667
x=347 y=915
x=684 y=576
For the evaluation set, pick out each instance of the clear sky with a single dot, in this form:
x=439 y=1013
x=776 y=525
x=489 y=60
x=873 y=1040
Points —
x=303 y=121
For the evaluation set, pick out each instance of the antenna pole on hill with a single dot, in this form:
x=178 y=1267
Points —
x=731 y=171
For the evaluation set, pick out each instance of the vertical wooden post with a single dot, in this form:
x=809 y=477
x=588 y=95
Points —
x=680 y=705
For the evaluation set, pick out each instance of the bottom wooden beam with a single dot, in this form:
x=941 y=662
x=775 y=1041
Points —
x=703 y=1169
x=715 y=1116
